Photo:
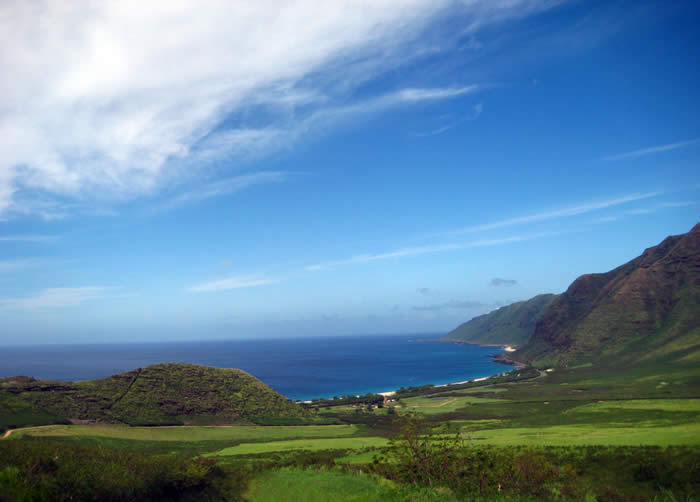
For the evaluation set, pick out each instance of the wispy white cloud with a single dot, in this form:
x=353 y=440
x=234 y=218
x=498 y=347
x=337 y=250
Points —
x=113 y=100
x=658 y=207
x=239 y=282
x=638 y=211
x=399 y=253
x=642 y=210
x=225 y=187
x=606 y=219
x=653 y=150
x=434 y=132
x=421 y=250
x=552 y=215
x=477 y=109
x=680 y=203
x=7 y=266
x=27 y=238
x=329 y=116
x=570 y=211
x=416 y=95
x=56 y=298
x=495 y=11
x=284 y=133
x=505 y=240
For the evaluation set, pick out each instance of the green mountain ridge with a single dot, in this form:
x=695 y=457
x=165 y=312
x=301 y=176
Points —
x=511 y=325
x=169 y=393
x=647 y=309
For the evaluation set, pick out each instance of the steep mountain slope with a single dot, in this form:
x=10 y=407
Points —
x=511 y=325
x=170 y=393
x=646 y=309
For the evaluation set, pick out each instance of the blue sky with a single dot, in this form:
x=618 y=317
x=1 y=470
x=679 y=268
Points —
x=290 y=169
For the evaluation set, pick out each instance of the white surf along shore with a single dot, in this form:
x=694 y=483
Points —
x=392 y=392
x=507 y=348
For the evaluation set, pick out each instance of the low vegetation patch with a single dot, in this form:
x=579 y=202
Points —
x=43 y=470
x=162 y=394
x=429 y=456
x=344 y=486
x=192 y=433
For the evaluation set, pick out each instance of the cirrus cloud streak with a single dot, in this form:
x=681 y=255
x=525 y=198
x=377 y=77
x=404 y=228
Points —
x=56 y=298
x=239 y=282
x=112 y=100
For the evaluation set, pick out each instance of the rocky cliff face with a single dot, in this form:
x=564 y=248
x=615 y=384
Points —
x=648 y=308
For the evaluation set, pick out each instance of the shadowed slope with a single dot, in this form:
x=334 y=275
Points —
x=510 y=325
x=648 y=308
x=170 y=393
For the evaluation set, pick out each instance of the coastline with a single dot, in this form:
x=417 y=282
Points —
x=390 y=393
x=388 y=362
x=508 y=348
x=500 y=358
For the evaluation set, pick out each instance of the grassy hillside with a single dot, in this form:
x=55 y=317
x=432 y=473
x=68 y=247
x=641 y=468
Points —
x=588 y=433
x=511 y=325
x=171 y=393
x=647 y=309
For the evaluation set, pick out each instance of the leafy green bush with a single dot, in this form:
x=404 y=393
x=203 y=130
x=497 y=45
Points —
x=273 y=420
x=44 y=470
x=430 y=456
x=369 y=398
x=151 y=421
x=424 y=455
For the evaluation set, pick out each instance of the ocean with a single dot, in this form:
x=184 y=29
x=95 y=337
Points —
x=299 y=368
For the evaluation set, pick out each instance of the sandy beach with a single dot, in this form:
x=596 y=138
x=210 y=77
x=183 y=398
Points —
x=506 y=348
x=390 y=393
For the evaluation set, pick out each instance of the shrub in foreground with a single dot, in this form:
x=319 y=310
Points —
x=427 y=456
x=43 y=470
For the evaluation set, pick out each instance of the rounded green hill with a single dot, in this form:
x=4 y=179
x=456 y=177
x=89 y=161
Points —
x=162 y=394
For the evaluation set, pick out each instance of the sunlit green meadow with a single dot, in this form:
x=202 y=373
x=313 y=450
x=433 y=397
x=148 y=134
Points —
x=190 y=433
x=295 y=485
x=581 y=435
x=442 y=404
x=303 y=444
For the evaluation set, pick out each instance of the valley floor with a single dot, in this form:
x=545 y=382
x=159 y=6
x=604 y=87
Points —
x=653 y=406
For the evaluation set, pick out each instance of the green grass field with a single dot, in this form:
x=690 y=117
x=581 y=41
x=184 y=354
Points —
x=491 y=389
x=434 y=405
x=590 y=407
x=583 y=435
x=185 y=440
x=555 y=411
x=297 y=485
x=303 y=444
x=191 y=433
x=684 y=405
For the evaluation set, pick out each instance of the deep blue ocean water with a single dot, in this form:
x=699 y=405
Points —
x=299 y=368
